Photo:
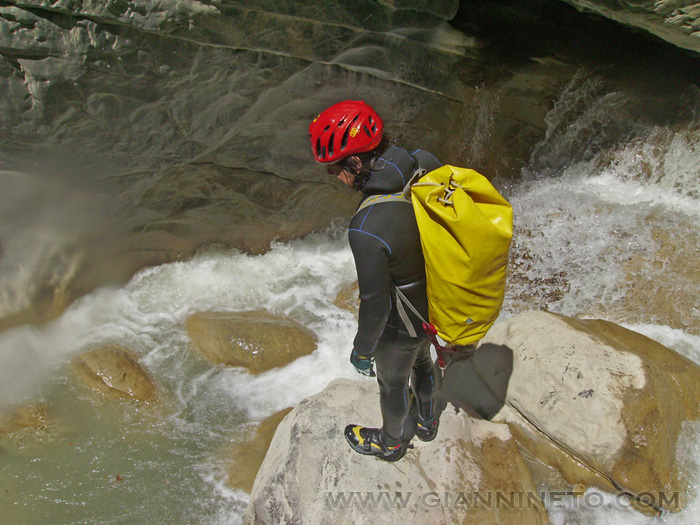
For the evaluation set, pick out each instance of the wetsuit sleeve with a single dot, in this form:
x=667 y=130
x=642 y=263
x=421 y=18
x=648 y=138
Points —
x=372 y=262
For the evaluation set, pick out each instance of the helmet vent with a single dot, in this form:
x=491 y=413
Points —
x=344 y=140
x=344 y=129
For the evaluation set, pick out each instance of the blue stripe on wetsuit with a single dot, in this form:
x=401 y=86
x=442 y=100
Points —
x=371 y=235
x=397 y=169
x=360 y=230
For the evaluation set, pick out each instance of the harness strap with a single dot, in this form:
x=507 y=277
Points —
x=404 y=316
x=374 y=199
x=404 y=299
x=401 y=196
x=428 y=328
x=417 y=174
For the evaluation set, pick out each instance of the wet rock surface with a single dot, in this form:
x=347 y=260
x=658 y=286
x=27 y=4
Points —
x=258 y=341
x=655 y=299
x=349 y=299
x=674 y=21
x=115 y=373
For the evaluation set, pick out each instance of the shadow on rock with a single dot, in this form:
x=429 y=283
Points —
x=476 y=379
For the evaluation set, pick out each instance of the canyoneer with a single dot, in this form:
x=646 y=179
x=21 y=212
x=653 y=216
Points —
x=348 y=138
x=431 y=244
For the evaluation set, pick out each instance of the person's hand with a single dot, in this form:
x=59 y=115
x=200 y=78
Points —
x=363 y=364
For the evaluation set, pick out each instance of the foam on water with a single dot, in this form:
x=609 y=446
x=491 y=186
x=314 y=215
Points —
x=568 y=245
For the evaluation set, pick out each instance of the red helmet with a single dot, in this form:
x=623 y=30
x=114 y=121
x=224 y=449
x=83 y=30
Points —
x=344 y=129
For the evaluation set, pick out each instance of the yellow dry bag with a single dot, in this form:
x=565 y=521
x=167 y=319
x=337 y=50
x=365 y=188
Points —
x=466 y=228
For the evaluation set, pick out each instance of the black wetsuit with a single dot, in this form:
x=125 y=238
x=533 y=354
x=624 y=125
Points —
x=386 y=245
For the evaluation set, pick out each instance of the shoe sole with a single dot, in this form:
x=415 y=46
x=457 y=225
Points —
x=426 y=439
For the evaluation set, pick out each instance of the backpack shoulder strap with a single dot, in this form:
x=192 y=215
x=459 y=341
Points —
x=417 y=174
x=378 y=199
x=401 y=196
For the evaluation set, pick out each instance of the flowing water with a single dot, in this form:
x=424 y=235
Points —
x=593 y=223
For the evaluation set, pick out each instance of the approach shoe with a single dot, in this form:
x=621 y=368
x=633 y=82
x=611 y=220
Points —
x=369 y=441
x=426 y=429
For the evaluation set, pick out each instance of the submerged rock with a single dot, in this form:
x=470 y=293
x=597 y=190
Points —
x=348 y=298
x=310 y=474
x=258 y=341
x=33 y=416
x=249 y=455
x=603 y=404
x=114 y=372
x=663 y=286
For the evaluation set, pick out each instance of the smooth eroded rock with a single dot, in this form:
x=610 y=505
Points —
x=311 y=475
x=676 y=21
x=258 y=341
x=603 y=404
x=114 y=372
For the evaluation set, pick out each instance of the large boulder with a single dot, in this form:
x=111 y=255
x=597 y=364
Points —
x=468 y=474
x=603 y=404
x=258 y=340
x=114 y=372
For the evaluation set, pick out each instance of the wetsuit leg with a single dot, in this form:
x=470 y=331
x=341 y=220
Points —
x=425 y=379
x=394 y=358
